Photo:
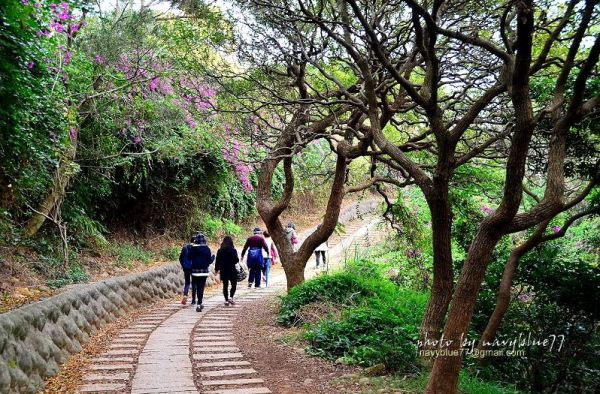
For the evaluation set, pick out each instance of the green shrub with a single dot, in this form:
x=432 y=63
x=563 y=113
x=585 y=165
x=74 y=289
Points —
x=467 y=384
x=128 y=254
x=85 y=230
x=75 y=274
x=383 y=331
x=379 y=323
x=232 y=229
x=341 y=288
x=211 y=227
x=171 y=253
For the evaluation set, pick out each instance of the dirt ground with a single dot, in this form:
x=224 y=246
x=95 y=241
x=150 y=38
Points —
x=282 y=362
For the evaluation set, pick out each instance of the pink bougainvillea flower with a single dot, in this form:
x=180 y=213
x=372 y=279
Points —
x=525 y=297
x=68 y=57
x=64 y=15
x=72 y=133
x=137 y=140
x=75 y=28
x=487 y=210
x=24 y=2
x=57 y=27
x=30 y=65
x=99 y=59
x=191 y=123
x=153 y=85
x=165 y=87
x=555 y=229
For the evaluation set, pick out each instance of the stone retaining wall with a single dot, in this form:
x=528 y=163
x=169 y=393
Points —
x=36 y=339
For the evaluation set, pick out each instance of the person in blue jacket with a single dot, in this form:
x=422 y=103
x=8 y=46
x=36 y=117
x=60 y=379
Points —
x=186 y=265
x=201 y=257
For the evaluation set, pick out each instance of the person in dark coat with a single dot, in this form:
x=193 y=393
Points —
x=186 y=265
x=201 y=258
x=227 y=258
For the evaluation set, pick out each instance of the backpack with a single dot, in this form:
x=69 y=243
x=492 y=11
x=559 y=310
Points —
x=185 y=258
x=255 y=257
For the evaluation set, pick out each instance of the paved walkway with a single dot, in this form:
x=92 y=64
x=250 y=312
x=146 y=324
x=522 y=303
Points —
x=163 y=350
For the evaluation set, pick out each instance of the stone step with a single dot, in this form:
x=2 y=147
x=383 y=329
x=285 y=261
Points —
x=214 y=343
x=113 y=360
x=111 y=367
x=230 y=382
x=96 y=377
x=248 y=390
x=122 y=352
x=218 y=324
x=125 y=346
x=227 y=372
x=205 y=349
x=213 y=337
x=102 y=388
x=132 y=336
x=217 y=364
x=217 y=356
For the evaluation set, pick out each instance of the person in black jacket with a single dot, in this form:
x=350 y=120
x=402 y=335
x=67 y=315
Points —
x=227 y=258
x=186 y=265
x=201 y=257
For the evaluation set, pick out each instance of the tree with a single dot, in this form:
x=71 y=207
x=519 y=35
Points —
x=436 y=85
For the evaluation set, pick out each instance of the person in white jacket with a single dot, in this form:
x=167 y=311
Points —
x=269 y=257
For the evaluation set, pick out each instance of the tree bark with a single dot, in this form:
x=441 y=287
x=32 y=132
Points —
x=446 y=368
x=443 y=278
x=6 y=191
x=503 y=296
x=60 y=181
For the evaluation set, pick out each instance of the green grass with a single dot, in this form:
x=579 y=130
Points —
x=378 y=325
x=127 y=255
x=416 y=384
x=75 y=274
x=171 y=253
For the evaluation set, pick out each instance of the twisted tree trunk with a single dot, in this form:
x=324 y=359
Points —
x=60 y=180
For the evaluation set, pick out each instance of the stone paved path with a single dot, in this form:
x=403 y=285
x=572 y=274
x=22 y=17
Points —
x=163 y=350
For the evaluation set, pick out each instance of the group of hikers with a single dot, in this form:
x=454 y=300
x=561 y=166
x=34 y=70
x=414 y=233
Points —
x=260 y=252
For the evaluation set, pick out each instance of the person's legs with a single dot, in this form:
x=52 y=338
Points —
x=324 y=258
x=186 y=287
x=255 y=274
x=233 y=287
x=225 y=287
x=194 y=289
x=187 y=275
x=318 y=258
x=267 y=271
x=250 y=276
x=201 y=282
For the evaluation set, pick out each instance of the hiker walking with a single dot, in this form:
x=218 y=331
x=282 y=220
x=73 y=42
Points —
x=290 y=232
x=227 y=258
x=269 y=257
x=186 y=265
x=254 y=245
x=201 y=258
x=320 y=254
